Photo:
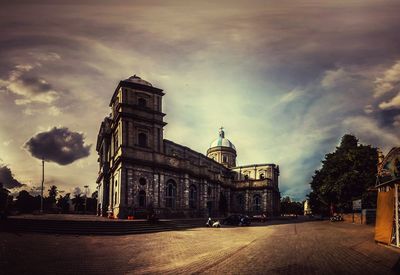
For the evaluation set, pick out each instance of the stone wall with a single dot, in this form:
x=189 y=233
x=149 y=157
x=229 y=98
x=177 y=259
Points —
x=367 y=216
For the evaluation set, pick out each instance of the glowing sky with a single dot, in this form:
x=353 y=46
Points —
x=285 y=78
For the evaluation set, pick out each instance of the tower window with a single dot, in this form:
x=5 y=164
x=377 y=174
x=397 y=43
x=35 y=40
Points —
x=224 y=159
x=261 y=176
x=142 y=181
x=142 y=138
x=142 y=102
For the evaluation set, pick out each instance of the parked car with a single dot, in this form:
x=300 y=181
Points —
x=259 y=218
x=237 y=219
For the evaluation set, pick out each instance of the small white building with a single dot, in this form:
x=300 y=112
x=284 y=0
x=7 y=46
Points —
x=307 y=208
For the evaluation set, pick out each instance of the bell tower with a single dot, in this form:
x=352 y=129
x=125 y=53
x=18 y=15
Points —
x=137 y=115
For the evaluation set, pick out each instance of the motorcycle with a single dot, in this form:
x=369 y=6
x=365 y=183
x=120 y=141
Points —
x=336 y=218
x=211 y=223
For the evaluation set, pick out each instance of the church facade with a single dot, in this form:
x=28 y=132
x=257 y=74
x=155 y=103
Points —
x=139 y=169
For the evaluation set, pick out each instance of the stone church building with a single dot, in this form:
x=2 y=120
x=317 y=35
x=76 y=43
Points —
x=139 y=169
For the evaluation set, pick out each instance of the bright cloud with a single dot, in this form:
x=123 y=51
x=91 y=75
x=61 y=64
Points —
x=388 y=81
x=392 y=103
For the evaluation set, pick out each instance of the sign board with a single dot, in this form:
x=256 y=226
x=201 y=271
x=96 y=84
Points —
x=357 y=204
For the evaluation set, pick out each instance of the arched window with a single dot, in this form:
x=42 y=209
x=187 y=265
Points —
x=170 y=194
x=142 y=137
x=261 y=176
x=142 y=181
x=257 y=203
x=142 y=198
x=224 y=159
x=192 y=197
x=246 y=177
x=142 y=102
x=240 y=202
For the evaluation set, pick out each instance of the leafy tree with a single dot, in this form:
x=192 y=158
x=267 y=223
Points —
x=50 y=201
x=291 y=207
x=53 y=192
x=4 y=200
x=78 y=202
x=285 y=202
x=25 y=202
x=63 y=203
x=346 y=174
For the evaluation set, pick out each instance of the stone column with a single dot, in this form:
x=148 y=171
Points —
x=246 y=201
x=270 y=202
x=205 y=195
x=264 y=201
x=186 y=192
x=155 y=189
x=123 y=188
x=111 y=195
x=162 y=191
x=228 y=200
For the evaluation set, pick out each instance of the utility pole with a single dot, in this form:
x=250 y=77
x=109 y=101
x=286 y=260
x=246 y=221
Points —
x=41 y=196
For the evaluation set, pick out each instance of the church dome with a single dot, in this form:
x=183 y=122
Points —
x=221 y=141
x=138 y=80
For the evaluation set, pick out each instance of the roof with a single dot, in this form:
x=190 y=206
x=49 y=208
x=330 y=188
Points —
x=221 y=141
x=135 y=82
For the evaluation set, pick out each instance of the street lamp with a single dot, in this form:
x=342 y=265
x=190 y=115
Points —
x=41 y=192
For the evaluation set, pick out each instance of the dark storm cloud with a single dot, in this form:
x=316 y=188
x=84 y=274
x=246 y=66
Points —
x=387 y=118
x=36 y=84
x=59 y=145
x=7 y=178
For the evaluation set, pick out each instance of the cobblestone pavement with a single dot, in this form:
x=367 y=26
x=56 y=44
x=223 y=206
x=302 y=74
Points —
x=287 y=248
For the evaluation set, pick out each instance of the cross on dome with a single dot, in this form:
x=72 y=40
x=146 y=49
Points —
x=222 y=141
x=221 y=132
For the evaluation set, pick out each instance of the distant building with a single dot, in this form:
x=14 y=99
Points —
x=307 y=208
x=140 y=169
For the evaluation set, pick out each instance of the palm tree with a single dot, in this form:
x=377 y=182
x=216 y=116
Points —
x=53 y=191
x=78 y=201
x=62 y=203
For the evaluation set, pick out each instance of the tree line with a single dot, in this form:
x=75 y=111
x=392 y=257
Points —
x=24 y=202
x=290 y=207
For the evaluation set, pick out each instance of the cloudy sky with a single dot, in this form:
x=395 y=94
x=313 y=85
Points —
x=285 y=78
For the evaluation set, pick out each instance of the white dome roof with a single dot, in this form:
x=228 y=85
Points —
x=138 y=80
x=221 y=141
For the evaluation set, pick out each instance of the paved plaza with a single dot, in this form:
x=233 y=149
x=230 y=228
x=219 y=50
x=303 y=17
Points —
x=317 y=247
